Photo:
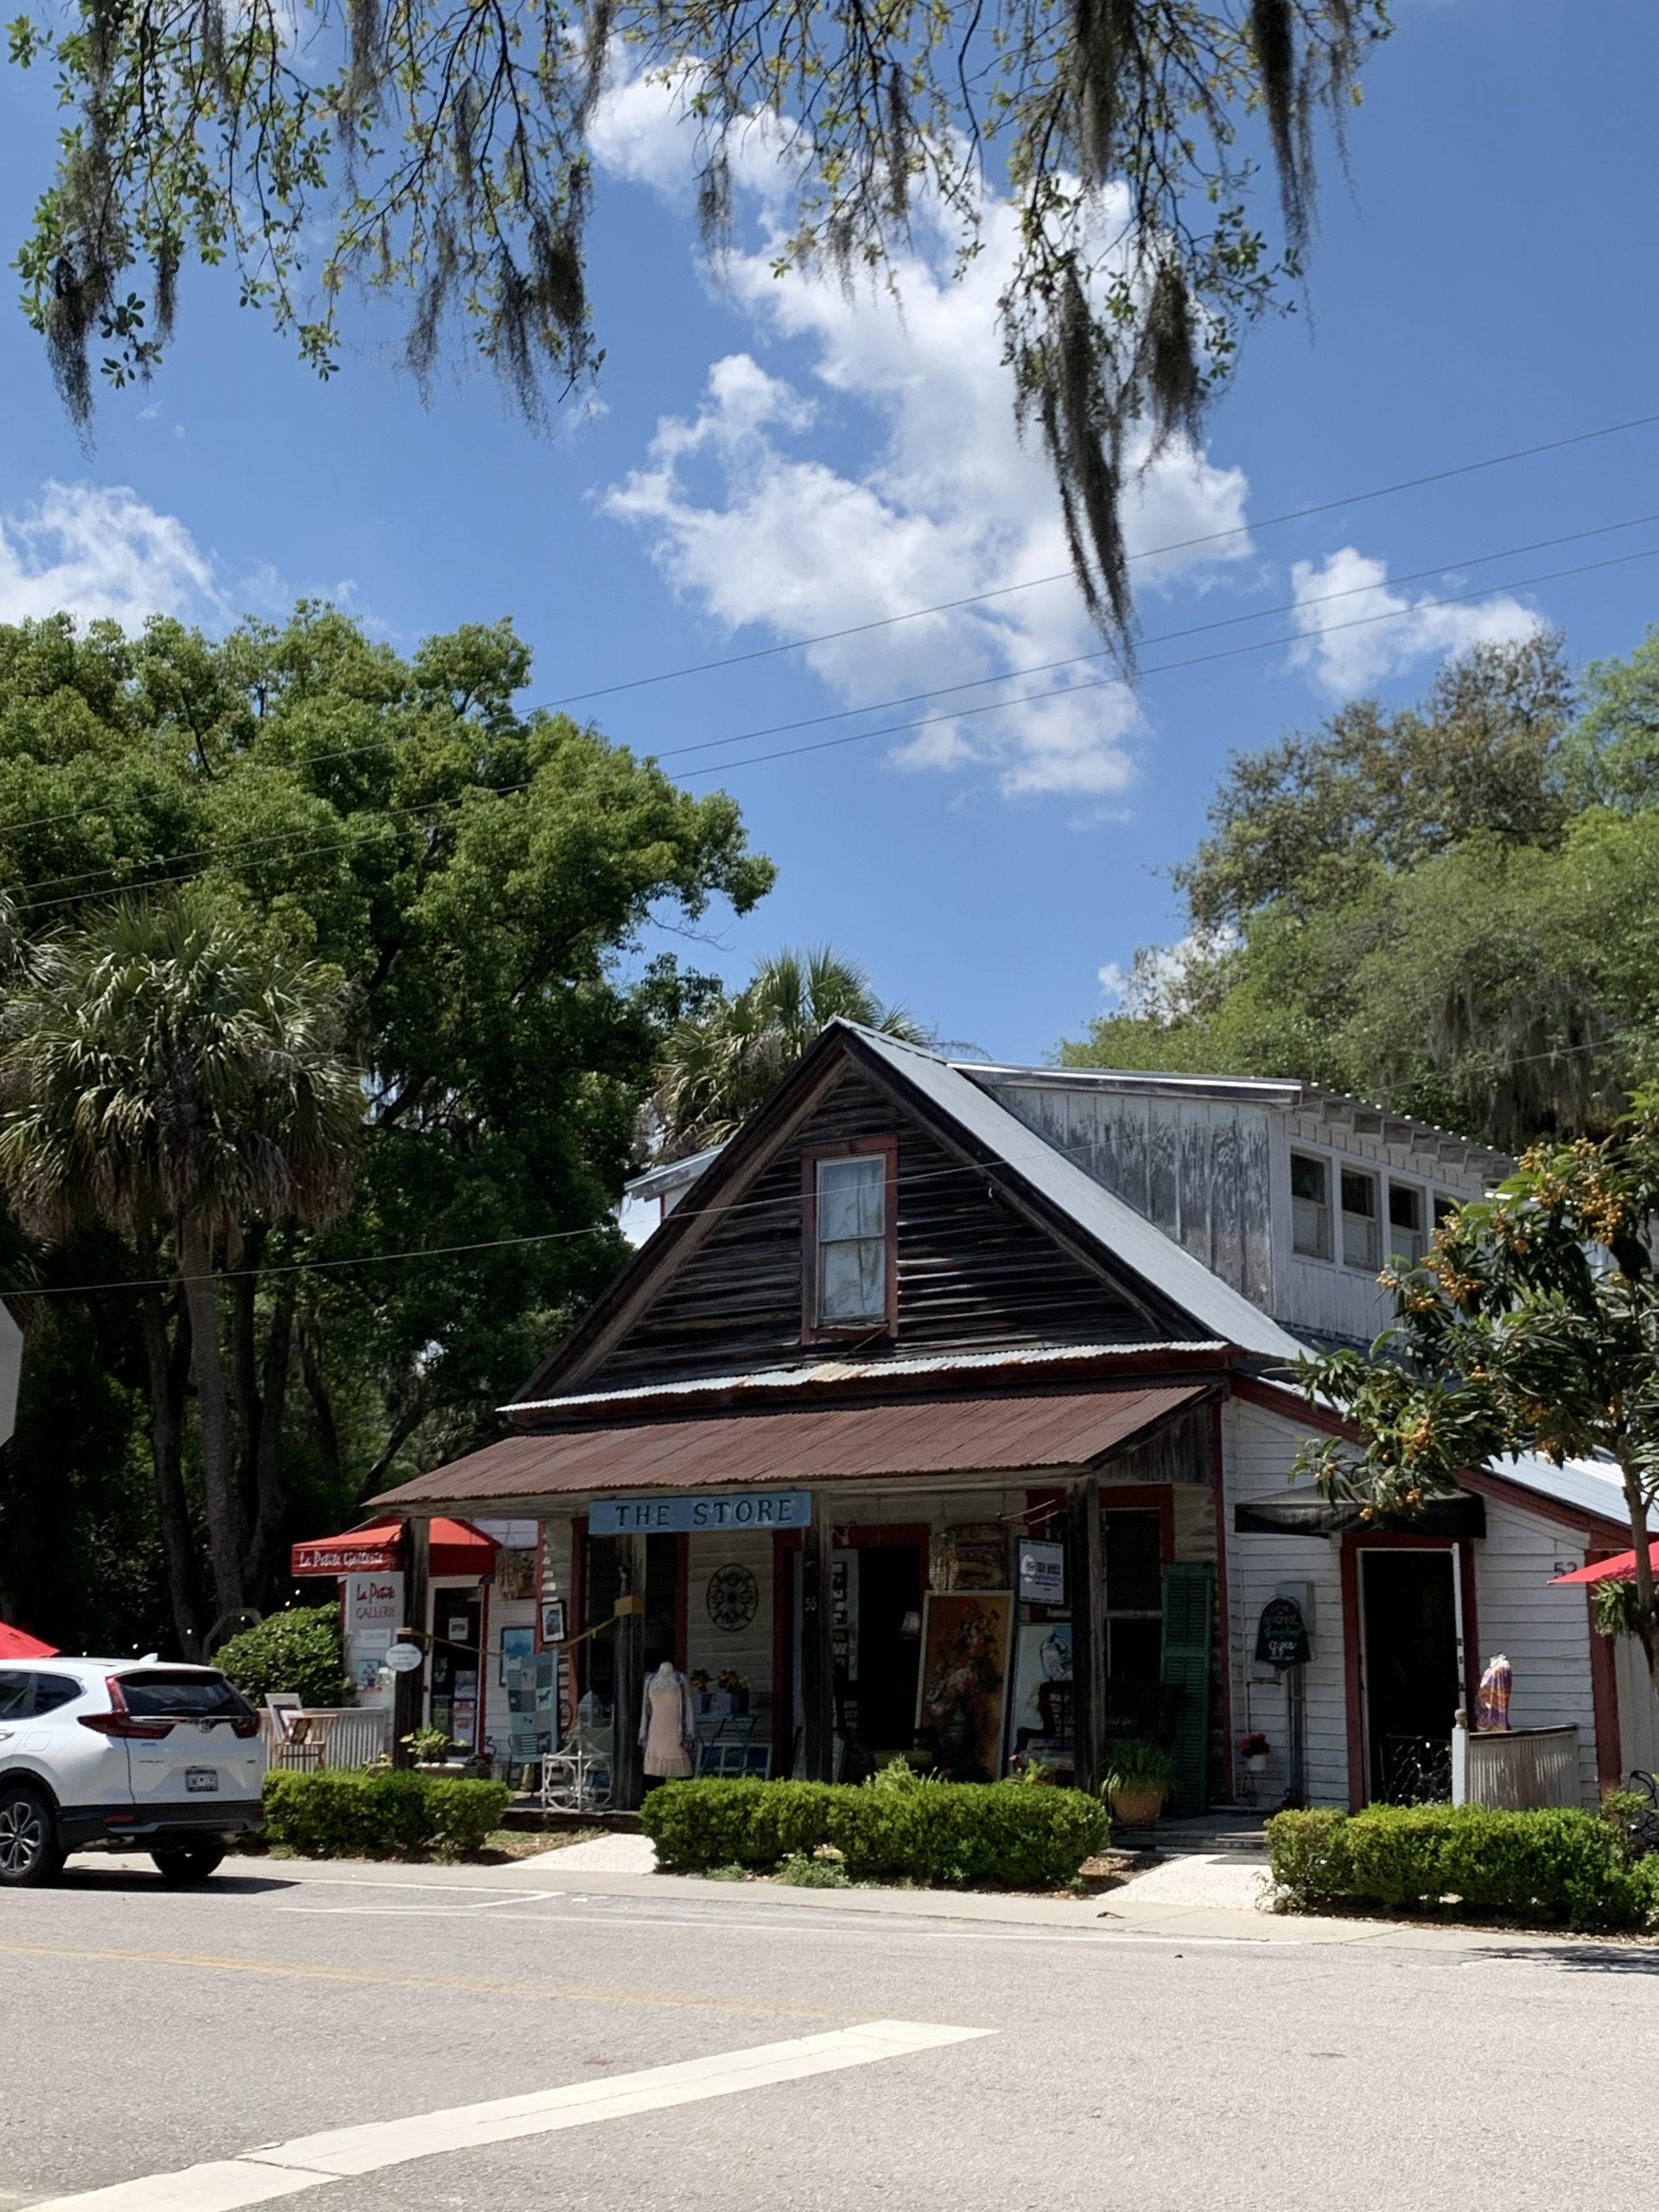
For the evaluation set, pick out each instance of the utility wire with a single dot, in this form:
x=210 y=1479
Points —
x=433 y=807
x=1150 y=553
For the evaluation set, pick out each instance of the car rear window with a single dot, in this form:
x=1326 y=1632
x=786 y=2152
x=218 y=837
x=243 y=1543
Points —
x=15 y=1687
x=156 y=1696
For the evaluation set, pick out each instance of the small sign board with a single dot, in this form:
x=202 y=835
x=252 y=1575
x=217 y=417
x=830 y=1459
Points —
x=651 y=1517
x=1042 y=1572
x=1281 y=1639
x=403 y=1658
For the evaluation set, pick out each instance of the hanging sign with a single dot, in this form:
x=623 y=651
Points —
x=371 y=1608
x=654 y=1517
x=403 y=1658
x=1281 y=1639
x=1042 y=1572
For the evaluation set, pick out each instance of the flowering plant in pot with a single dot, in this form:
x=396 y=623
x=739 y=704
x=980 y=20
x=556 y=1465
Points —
x=736 y=1689
x=1139 y=1776
x=1253 y=1749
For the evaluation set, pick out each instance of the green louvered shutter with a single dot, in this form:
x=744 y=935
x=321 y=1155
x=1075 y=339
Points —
x=1189 y=1612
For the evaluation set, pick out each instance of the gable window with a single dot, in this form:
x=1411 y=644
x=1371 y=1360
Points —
x=1359 y=1222
x=850 y=1244
x=1405 y=1221
x=1310 y=1206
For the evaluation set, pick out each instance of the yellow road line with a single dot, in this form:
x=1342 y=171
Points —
x=292 y=1970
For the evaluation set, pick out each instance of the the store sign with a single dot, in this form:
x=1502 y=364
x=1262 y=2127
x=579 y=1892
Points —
x=1042 y=1573
x=657 y=1517
x=1281 y=1635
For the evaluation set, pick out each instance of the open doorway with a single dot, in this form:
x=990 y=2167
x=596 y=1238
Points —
x=1410 y=1650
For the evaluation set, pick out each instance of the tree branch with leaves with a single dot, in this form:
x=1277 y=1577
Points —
x=442 y=150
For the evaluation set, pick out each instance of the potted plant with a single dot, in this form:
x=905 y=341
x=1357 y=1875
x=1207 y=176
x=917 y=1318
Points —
x=427 y=1747
x=1139 y=1776
x=1253 y=1749
x=702 y=1689
x=736 y=1690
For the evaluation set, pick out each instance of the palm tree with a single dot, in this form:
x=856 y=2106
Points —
x=164 y=1072
x=716 y=1069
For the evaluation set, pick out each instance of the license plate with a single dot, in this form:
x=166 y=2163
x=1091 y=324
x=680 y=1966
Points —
x=201 y=1777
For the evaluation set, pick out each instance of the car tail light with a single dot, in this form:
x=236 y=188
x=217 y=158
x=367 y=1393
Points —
x=246 y=1725
x=119 y=1722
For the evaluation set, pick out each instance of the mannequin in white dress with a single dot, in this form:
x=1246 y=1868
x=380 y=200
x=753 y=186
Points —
x=667 y=1730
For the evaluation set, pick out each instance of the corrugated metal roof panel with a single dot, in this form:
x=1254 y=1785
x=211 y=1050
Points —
x=827 y=1444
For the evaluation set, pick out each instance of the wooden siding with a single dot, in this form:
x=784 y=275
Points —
x=1259 y=1447
x=1197 y=1168
x=1544 y=1632
x=973 y=1274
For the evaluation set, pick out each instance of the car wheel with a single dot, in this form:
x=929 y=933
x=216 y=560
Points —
x=29 y=1842
x=194 y=1862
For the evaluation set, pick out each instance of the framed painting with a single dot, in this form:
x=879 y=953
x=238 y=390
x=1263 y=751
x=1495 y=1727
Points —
x=1040 y=1716
x=963 y=1690
x=516 y=1644
x=553 y=1621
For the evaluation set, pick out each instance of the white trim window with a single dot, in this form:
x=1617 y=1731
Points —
x=1406 y=1221
x=852 y=1232
x=1359 y=1221
x=1310 y=1206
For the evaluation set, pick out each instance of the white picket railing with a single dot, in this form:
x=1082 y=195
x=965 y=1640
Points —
x=1516 y=1770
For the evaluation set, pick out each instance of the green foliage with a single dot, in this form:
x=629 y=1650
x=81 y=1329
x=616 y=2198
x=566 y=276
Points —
x=479 y=877
x=824 y=1870
x=720 y=1062
x=425 y=1744
x=1555 y=1867
x=381 y=1816
x=899 y=1824
x=298 y=1650
x=440 y=153
x=1132 y=1763
x=1616 y=1608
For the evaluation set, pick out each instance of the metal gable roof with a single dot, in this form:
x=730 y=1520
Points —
x=1108 y=1220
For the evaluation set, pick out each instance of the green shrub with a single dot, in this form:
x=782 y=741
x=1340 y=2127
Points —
x=899 y=1824
x=297 y=1650
x=381 y=1816
x=1554 y=1866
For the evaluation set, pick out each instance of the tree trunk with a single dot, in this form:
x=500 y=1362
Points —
x=316 y=1387
x=168 y=1371
x=212 y=1408
x=268 y=1443
x=1640 y=1542
x=244 y=1380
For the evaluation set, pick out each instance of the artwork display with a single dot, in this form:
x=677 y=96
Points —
x=733 y=1599
x=515 y=1572
x=1040 y=1718
x=517 y=1643
x=964 y=1681
x=973 y=1556
x=553 y=1621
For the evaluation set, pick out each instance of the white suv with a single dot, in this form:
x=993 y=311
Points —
x=123 y=1755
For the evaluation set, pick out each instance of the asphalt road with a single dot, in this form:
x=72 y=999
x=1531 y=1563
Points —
x=145 y=2034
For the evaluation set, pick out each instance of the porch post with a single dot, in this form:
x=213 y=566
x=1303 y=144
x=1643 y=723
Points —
x=818 y=1648
x=1084 y=1580
x=627 y=1768
x=409 y=1692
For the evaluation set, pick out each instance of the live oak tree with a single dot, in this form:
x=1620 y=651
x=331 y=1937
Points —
x=482 y=876
x=441 y=151
x=1531 y=1324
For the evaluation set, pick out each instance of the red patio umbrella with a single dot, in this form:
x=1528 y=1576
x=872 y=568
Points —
x=14 y=1645
x=1619 y=1569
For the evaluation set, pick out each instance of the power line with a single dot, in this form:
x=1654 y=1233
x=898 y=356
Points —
x=1150 y=553
x=433 y=807
x=943 y=606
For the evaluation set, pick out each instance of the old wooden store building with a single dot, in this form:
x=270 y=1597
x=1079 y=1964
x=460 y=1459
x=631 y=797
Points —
x=945 y=1409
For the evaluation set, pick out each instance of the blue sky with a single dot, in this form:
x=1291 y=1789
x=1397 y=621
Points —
x=766 y=462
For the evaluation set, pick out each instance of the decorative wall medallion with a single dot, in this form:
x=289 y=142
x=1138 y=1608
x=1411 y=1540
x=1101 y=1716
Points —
x=734 y=1597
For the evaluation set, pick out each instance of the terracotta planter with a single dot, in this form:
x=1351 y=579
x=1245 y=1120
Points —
x=1139 y=1806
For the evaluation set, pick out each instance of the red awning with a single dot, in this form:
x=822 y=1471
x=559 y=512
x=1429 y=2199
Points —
x=1619 y=1569
x=14 y=1644
x=457 y=1549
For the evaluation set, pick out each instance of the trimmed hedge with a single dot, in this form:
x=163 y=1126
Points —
x=899 y=1823
x=299 y=1650
x=381 y=1816
x=1553 y=1867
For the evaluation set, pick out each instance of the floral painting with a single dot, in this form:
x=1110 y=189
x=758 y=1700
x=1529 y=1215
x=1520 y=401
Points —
x=964 y=1681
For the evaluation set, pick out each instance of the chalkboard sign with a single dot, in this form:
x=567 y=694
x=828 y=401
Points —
x=1281 y=1634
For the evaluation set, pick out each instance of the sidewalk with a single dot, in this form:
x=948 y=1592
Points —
x=1192 y=1899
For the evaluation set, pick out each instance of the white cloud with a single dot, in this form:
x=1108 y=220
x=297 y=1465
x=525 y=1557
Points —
x=1348 y=649
x=100 y=552
x=930 y=497
x=1163 y=981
